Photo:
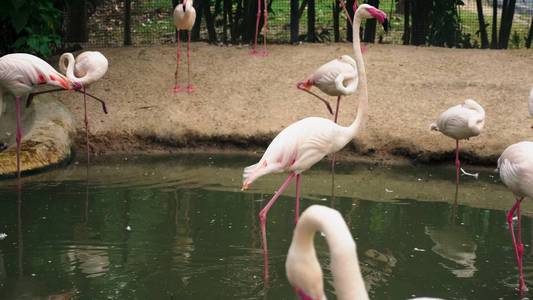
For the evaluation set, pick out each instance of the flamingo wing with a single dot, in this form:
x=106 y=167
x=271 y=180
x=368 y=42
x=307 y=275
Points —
x=516 y=168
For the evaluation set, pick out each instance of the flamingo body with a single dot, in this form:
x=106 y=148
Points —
x=87 y=68
x=461 y=121
x=337 y=77
x=298 y=147
x=516 y=169
x=184 y=15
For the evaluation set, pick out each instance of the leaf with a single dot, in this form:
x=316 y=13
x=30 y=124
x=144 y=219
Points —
x=20 y=41
x=19 y=19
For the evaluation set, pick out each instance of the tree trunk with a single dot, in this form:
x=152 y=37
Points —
x=494 y=42
x=311 y=21
x=349 y=8
x=406 y=27
x=482 y=25
x=336 y=12
x=506 y=26
x=76 y=22
x=127 y=22
x=530 y=35
x=421 y=10
x=370 y=27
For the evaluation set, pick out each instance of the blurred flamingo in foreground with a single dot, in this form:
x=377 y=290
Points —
x=516 y=171
x=20 y=73
x=184 y=17
x=88 y=67
x=303 y=268
x=304 y=143
x=460 y=122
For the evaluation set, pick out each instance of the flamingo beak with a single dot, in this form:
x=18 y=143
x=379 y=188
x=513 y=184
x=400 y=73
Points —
x=380 y=16
x=76 y=86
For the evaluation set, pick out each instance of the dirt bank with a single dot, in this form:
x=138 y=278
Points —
x=242 y=101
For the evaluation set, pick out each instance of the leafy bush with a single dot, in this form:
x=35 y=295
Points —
x=445 y=24
x=30 y=26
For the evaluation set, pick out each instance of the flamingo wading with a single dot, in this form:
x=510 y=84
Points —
x=304 y=143
x=20 y=73
x=87 y=68
x=516 y=171
x=184 y=17
x=461 y=122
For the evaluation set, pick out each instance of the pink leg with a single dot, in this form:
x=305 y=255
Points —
x=298 y=187
x=254 y=50
x=86 y=126
x=265 y=26
x=300 y=86
x=18 y=136
x=457 y=162
x=177 y=88
x=190 y=88
x=518 y=246
x=263 y=213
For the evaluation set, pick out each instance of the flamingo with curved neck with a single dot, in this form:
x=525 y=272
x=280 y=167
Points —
x=87 y=68
x=303 y=268
x=304 y=143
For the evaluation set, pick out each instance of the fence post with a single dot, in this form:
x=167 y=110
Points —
x=76 y=26
x=127 y=22
x=294 y=22
x=311 y=21
x=406 y=29
x=494 y=41
x=530 y=34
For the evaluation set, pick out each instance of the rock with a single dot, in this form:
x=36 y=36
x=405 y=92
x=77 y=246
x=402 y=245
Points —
x=48 y=128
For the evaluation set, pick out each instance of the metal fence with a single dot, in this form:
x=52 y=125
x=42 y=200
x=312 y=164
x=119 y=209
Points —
x=151 y=22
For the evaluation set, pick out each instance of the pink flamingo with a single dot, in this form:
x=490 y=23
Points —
x=304 y=143
x=461 y=122
x=303 y=268
x=184 y=17
x=20 y=73
x=88 y=67
x=516 y=171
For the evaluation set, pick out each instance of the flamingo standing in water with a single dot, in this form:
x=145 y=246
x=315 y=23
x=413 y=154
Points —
x=20 y=73
x=184 y=17
x=88 y=67
x=304 y=143
x=516 y=171
x=460 y=122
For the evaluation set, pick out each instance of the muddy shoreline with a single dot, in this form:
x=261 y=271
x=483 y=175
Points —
x=242 y=108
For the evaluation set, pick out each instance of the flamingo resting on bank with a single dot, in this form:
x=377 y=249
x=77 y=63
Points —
x=20 y=73
x=88 y=67
x=516 y=171
x=184 y=17
x=304 y=143
x=460 y=122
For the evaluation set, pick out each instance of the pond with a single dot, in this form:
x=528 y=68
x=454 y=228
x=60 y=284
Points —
x=178 y=227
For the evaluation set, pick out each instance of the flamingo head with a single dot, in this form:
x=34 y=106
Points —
x=76 y=86
x=370 y=12
x=305 y=84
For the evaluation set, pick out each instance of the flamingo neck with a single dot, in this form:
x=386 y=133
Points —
x=68 y=68
x=347 y=278
x=358 y=55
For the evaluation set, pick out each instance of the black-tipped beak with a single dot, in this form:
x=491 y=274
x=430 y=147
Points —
x=386 y=25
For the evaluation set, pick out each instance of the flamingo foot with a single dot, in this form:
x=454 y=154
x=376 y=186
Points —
x=264 y=53
x=190 y=88
x=254 y=52
x=177 y=89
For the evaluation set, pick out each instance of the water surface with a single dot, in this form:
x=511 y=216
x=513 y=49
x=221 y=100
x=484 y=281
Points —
x=178 y=227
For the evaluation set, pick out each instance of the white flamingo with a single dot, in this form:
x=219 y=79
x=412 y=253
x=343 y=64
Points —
x=303 y=268
x=461 y=122
x=20 y=73
x=304 y=143
x=516 y=171
x=87 y=68
x=184 y=17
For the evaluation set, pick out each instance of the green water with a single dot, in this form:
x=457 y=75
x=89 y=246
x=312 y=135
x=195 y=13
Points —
x=194 y=235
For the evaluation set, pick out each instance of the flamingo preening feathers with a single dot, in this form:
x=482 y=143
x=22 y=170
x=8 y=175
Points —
x=304 y=143
x=87 y=68
x=184 y=18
